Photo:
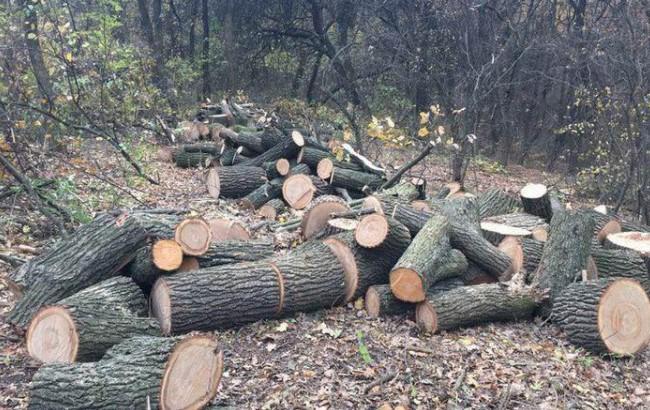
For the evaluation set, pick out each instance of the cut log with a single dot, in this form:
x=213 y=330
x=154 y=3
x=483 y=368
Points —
x=421 y=205
x=318 y=213
x=207 y=148
x=269 y=190
x=636 y=241
x=300 y=169
x=405 y=190
x=97 y=251
x=421 y=264
x=536 y=201
x=232 y=156
x=142 y=269
x=325 y=168
x=224 y=229
x=271 y=137
x=565 y=254
x=189 y=264
x=312 y=156
x=234 y=182
x=511 y=246
x=167 y=255
x=287 y=148
x=184 y=159
x=354 y=180
x=621 y=263
x=235 y=251
x=474 y=275
x=375 y=229
x=277 y=169
x=605 y=316
x=532 y=250
x=336 y=226
x=271 y=209
x=610 y=227
x=298 y=191
x=496 y=232
x=399 y=210
x=495 y=201
x=83 y=326
x=364 y=162
x=536 y=225
x=157 y=226
x=475 y=305
x=249 y=140
x=142 y=372
x=194 y=236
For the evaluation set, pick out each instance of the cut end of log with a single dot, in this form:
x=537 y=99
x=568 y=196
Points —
x=343 y=224
x=167 y=255
x=267 y=211
x=224 y=230
x=161 y=306
x=539 y=234
x=283 y=166
x=194 y=236
x=52 y=336
x=372 y=301
x=454 y=188
x=213 y=183
x=601 y=209
x=421 y=205
x=297 y=138
x=636 y=241
x=371 y=202
x=623 y=314
x=325 y=168
x=504 y=229
x=315 y=219
x=190 y=263
x=610 y=227
x=533 y=191
x=192 y=374
x=407 y=285
x=511 y=246
x=371 y=231
x=350 y=269
x=426 y=317
x=298 y=191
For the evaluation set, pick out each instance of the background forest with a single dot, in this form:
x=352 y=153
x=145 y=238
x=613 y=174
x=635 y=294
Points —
x=555 y=84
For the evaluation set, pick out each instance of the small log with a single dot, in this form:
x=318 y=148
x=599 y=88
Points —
x=536 y=225
x=142 y=269
x=184 y=159
x=234 y=182
x=272 y=137
x=249 y=140
x=225 y=229
x=318 y=213
x=532 y=250
x=354 y=180
x=405 y=190
x=496 y=232
x=399 y=210
x=326 y=166
x=610 y=227
x=336 y=226
x=207 y=148
x=142 y=372
x=565 y=254
x=380 y=301
x=373 y=230
x=605 y=316
x=475 y=305
x=312 y=156
x=83 y=326
x=194 y=236
x=157 y=226
x=235 y=251
x=495 y=201
x=167 y=255
x=232 y=156
x=269 y=190
x=300 y=169
x=636 y=241
x=271 y=209
x=288 y=148
x=277 y=169
x=95 y=252
x=536 y=200
x=298 y=191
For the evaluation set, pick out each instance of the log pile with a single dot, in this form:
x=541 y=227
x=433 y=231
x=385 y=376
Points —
x=447 y=260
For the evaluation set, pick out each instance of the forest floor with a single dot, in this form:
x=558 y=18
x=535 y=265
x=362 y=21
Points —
x=339 y=358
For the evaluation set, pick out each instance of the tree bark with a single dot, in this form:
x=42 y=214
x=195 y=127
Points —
x=263 y=194
x=621 y=263
x=355 y=180
x=234 y=251
x=318 y=213
x=234 y=182
x=287 y=148
x=496 y=202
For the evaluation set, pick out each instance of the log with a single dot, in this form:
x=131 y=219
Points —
x=97 y=251
x=142 y=270
x=536 y=225
x=421 y=205
x=405 y=190
x=336 y=226
x=621 y=263
x=250 y=140
x=399 y=210
x=277 y=169
x=184 y=159
x=364 y=162
x=475 y=275
x=271 y=209
x=536 y=200
x=375 y=229
x=300 y=169
x=225 y=229
x=565 y=254
x=157 y=226
x=166 y=255
x=312 y=156
x=83 y=326
x=475 y=305
x=194 y=236
x=318 y=213
x=142 y=372
x=495 y=201
x=271 y=137
x=636 y=241
x=235 y=251
x=354 y=180
x=287 y=148
x=234 y=182
x=269 y=190
x=421 y=264
x=298 y=191
x=605 y=316
x=232 y=156
x=326 y=166
x=610 y=227
x=496 y=232
x=207 y=148
x=532 y=250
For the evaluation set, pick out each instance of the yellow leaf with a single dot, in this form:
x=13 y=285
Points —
x=424 y=118
x=68 y=57
x=423 y=132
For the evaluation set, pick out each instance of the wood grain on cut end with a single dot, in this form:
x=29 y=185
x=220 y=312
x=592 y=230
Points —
x=316 y=217
x=533 y=191
x=224 y=230
x=325 y=168
x=298 y=191
x=407 y=285
x=426 y=317
x=190 y=263
x=192 y=374
x=167 y=255
x=297 y=138
x=372 y=302
x=194 y=236
x=636 y=241
x=283 y=166
x=540 y=234
x=345 y=257
x=421 y=205
x=52 y=336
x=160 y=305
x=371 y=231
x=213 y=183
x=372 y=202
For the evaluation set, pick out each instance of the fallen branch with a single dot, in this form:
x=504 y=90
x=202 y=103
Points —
x=406 y=167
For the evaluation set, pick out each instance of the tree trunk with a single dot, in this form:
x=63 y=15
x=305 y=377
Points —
x=605 y=316
x=318 y=213
x=287 y=148
x=95 y=252
x=30 y=29
x=354 y=180
x=496 y=202
x=621 y=263
x=142 y=372
x=234 y=182
x=235 y=251
x=184 y=159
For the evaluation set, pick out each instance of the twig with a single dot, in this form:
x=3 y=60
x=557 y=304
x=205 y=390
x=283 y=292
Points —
x=353 y=213
x=363 y=161
x=406 y=167
x=384 y=379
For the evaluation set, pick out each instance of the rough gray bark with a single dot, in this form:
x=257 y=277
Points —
x=287 y=148
x=235 y=182
x=495 y=201
x=142 y=269
x=157 y=226
x=532 y=250
x=233 y=251
x=184 y=159
x=272 y=208
x=405 y=191
x=249 y=140
x=355 y=180
x=621 y=263
x=263 y=194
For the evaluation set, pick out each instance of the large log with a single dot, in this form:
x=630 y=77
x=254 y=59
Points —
x=605 y=316
x=536 y=200
x=235 y=251
x=269 y=190
x=271 y=209
x=139 y=373
x=95 y=252
x=475 y=305
x=621 y=263
x=495 y=201
x=157 y=226
x=234 y=182
x=83 y=326
x=277 y=169
x=287 y=148
x=354 y=180
x=318 y=213
x=565 y=254
x=249 y=140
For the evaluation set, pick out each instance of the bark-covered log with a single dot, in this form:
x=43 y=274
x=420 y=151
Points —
x=532 y=250
x=194 y=236
x=536 y=225
x=461 y=211
x=298 y=191
x=287 y=148
x=536 y=200
x=421 y=263
x=139 y=373
x=83 y=326
x=400 y=210
x=94 y=253
x=184 y=159
x=621 y=263
x=355 y=180
x=605 y=316
x=231 y=156
x=269 y=190
x=249 y=140
x=271 y=209
x=495 y=201
x=318 y=213
x=312 y=156
x=234 y=182
x=321 y=187
x=225 y=229
x=235 y=251
x=272 y=137
x=277 y=169
x=326 y=167
x=405 y=190
x=475 y=275
x=300 y=169
x=142 y=269
x=157 y=226
x=208 y=148
x=496 y=232
x=475 y=305
x=565 y=254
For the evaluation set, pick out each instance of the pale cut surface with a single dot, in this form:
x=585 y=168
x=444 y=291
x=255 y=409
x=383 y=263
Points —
x=623 y=317
x=372 y=302
x=637 y=241
x=511 y=246
x=298 y=191
x=52 y=336
x=224 y=229
x=268 y=212
x=282 y=166
x=426 y=317
x=406 y=285
x=371 y=231
x=213 y=183
x=610 y=227
x=540 y=234
x=344 y=224
x=373 y=203
x=194 y=236
x=533 y=191
x=317 y=217
x=350 y=269
x=297 y=138
x=167 y=255
x=160 y=305
x=325 y=168
x=504 y=229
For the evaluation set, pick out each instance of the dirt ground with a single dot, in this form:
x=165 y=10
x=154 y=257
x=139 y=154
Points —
x=339 y=358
